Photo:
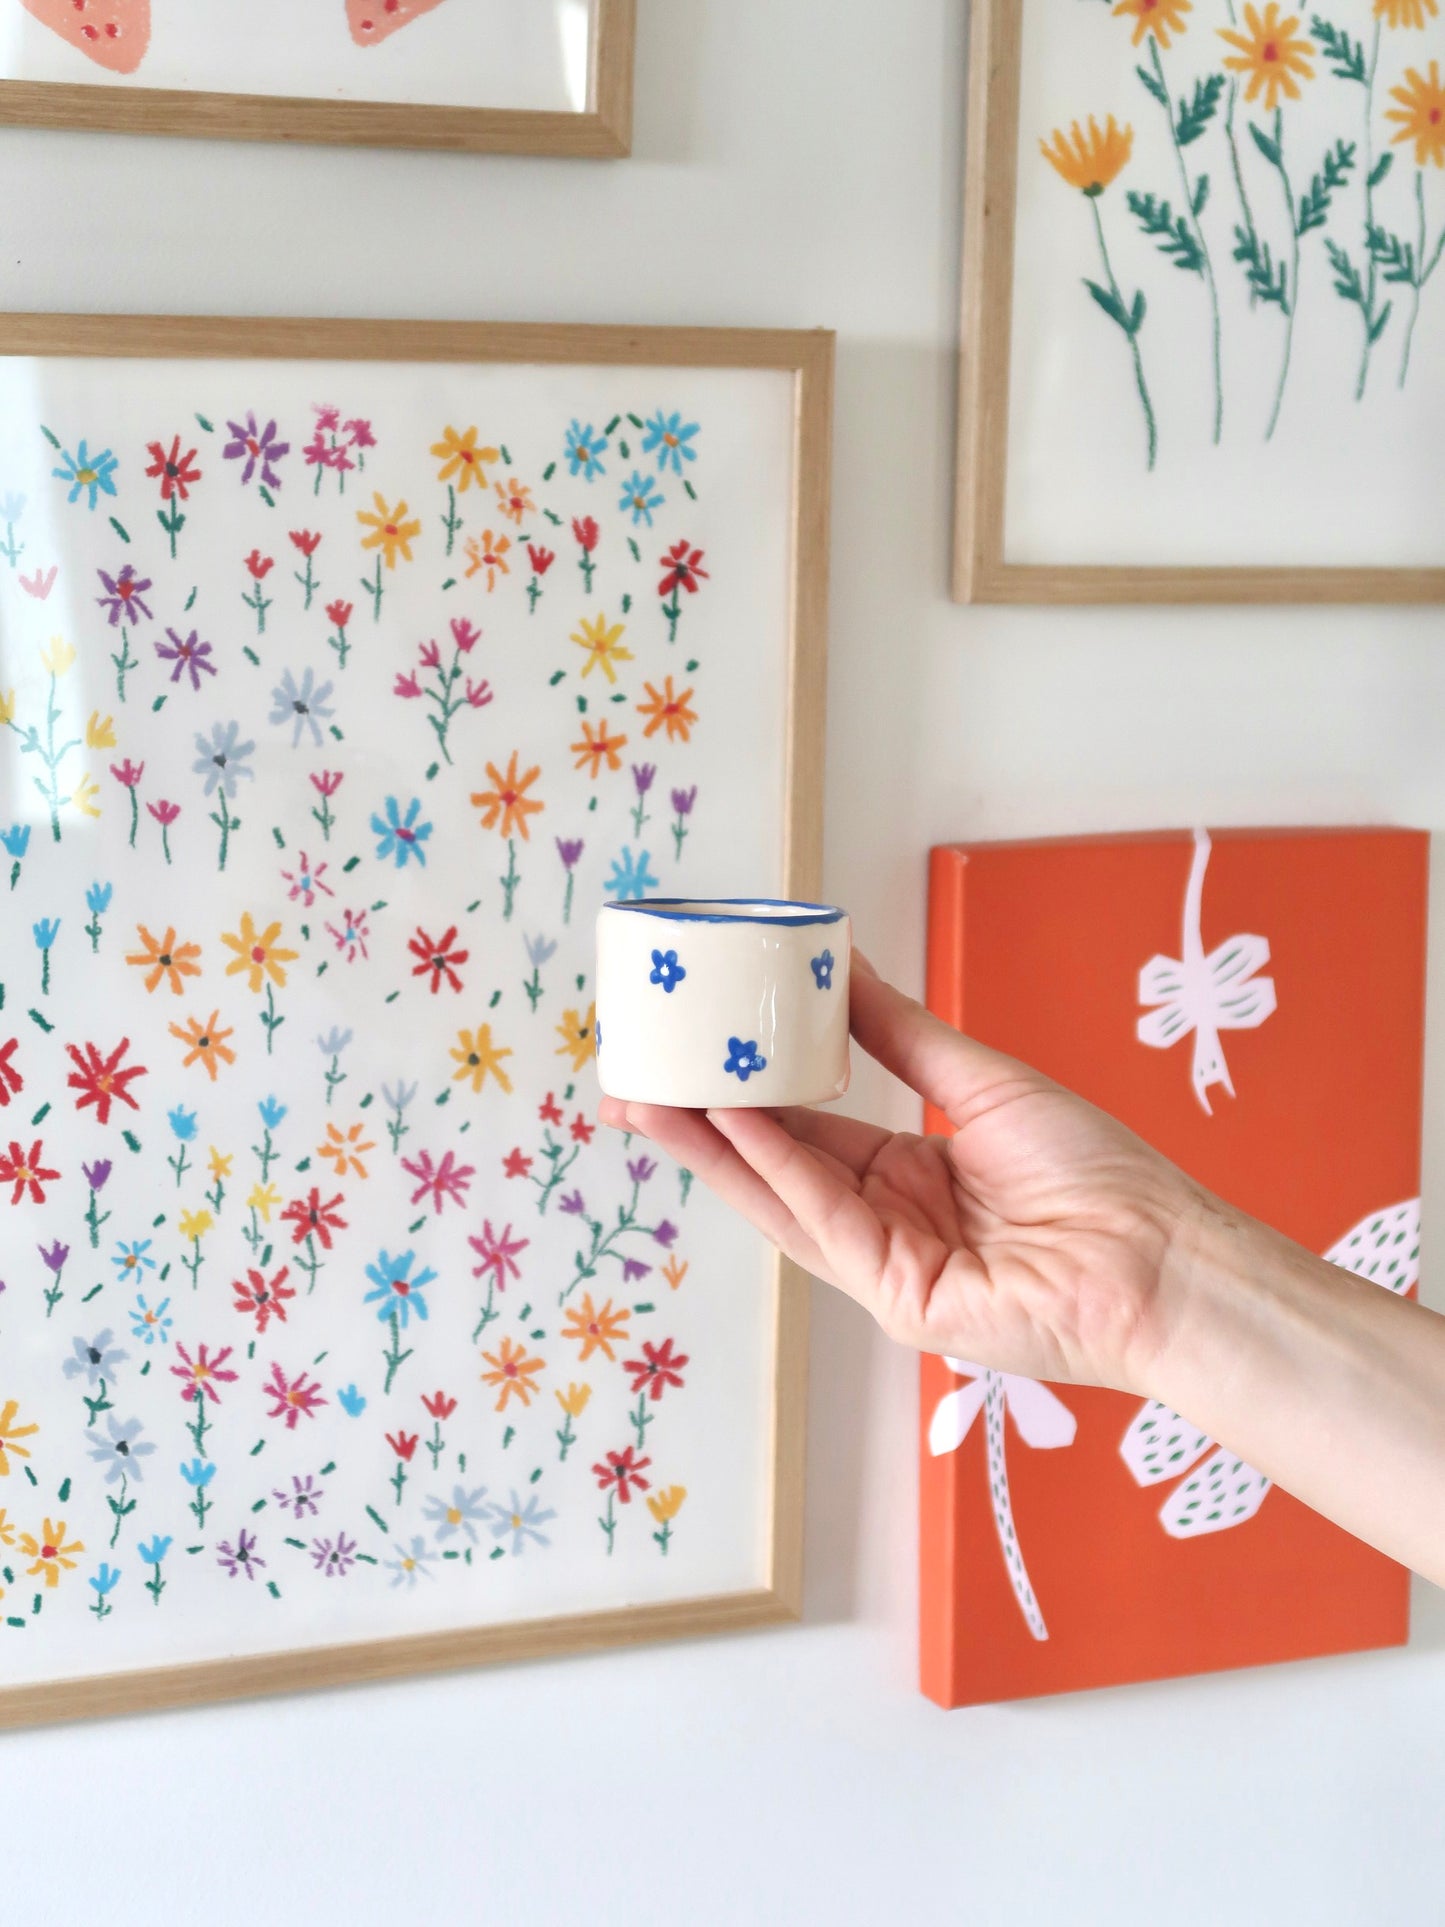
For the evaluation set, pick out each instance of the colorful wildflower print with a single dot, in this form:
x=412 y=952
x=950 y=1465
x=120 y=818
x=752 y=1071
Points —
x=320 y=1281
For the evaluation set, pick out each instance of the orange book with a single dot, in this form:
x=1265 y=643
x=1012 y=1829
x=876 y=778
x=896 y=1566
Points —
x=1252 y=1003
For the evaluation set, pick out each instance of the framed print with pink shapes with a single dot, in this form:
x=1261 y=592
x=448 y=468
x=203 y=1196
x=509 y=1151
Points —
x=345 y=669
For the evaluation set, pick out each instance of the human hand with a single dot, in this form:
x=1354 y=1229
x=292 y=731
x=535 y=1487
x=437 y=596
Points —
x=1041 y=1238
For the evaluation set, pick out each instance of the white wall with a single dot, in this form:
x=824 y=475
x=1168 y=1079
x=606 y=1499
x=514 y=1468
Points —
x=798 y=162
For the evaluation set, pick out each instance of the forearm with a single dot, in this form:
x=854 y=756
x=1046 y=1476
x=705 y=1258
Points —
x=1330 y=1384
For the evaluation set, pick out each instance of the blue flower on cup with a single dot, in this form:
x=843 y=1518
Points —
x=666 y=970
x=823 y=970
x=743 y=1059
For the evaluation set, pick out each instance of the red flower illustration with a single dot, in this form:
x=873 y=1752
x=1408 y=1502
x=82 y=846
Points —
x=404 y=1444
x=294 y=1398
x=438 y=1404
x=11 y=1082
x=516 y=1164
x=586 y=532
x=312 y=1218
x=128 y=773
x=658 y=1368
x=263 y=1297
x=439 y=1181
x=549 y=1110
x=684 y=570
x=101 y=1080
x=327 y=781
x=201 y=1373
x=164 y=813
x=437 y=957
x=621 y=1473
x=479 y=694
x=24 y=1169
x=306 y=542
x=465 y=634
x=407 y=686
x=339 y=612
x=260 y=565
x=174 y=470
x=541 y=559
x=498 y=1252
x=582 y=1131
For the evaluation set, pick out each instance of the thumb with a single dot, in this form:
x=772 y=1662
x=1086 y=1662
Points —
x=931 y=1057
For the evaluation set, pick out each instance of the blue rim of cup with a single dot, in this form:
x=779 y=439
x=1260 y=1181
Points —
x=771 y=911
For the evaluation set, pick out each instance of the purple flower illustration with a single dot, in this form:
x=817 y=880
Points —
x=241 y=1557
x=335 y=1557
x=665 y=1234
x=54 y=1259
x=257 y=449
x=574 y=1204
x=640 y=1169
x=569 y=849
x=96 y=1174
x=633 y=1269
x=190 y=657
x=123 y=592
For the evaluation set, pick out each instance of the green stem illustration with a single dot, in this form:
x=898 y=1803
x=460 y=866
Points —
x=1291 y=304
x=510 y=881
x=1373 y=267
x=1422 y=272
x=1129 y=320
x=1190 y=192
x=124 y=662
x=395 y=1357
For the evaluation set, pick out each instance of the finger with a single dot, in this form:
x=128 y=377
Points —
x=939 y=1062
x=700 y=1148
x=851 y=1142
x=612 y=1110
x=828 y=1211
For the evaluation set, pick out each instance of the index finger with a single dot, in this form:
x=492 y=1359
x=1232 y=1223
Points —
x=940 y=1063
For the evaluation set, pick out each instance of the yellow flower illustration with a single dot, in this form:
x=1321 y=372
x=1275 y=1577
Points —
x=1159 y=17
x=219 y=1165
x=194 y=1224
x=50 y=1551
x=263 y=1200
x=506 y=806
x=601 y=645
x=514 y=499
x=598 y=749
x=573 y=1402
x=513 y=1371
x=390 y=530
x=205 y=1043
x=258 y=957
x=478 y=1057
x=84 y=795
x=1405 y=13
x=596 y=1330
x=7 y=1531
x=9 y=1433
x=668 y=711
x=667 y=1503
x=100 y=731
x=577 y=1037
x=57 y=656
x=489 y=553
x=1421 y=115
x=1272 y=54
x=346 y=1149
x=461 y=459
x=1092 y=161
x=674 y=1271
x=165 y=958
x=7 y=706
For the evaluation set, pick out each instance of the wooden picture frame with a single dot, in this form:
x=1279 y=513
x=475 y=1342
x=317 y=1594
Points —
x=982 y=570
x=807 y=359
x=602 y=132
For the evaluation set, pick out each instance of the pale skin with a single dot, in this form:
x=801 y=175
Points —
x=1043 y=1238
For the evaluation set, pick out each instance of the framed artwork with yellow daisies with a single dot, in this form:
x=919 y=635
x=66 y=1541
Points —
x=345 y=670
x=544 y=77
x=1203 y=345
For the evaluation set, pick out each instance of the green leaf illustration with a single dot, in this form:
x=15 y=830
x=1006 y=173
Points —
x=1173 y=235
x=1266 y=146
x=1195 y=115
x=1394 y=256
x=1315 y=201
x=1201 y=195
x=1348 y=284
x=1346 y=56
x=1265 y=276
x=1382 y=167
x=1153 y=87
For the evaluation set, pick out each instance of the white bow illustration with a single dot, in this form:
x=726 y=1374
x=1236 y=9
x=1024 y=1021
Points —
x=1205 y=994
x=1043 y=1421
x=1224 y=1491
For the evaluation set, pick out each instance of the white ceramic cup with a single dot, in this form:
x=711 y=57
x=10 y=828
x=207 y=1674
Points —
x=720 y=1003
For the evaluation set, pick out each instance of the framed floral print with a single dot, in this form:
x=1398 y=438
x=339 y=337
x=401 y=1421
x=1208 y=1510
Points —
x=345 y=669
x=498 y=76
x=1203 y=306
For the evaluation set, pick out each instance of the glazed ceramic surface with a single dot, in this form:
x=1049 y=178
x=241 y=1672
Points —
x=722 y=1003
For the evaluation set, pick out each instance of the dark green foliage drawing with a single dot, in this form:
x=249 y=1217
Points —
x=1269 y=148
x=1350 y=286
x=1131 y=320
x=1196 y=114
x=1315 y=201
x=1382 y=167
x=1201 y=195
x=1157 y=89
x=1395 y=258
x=1266 y=277
x=1346 y=56
x=1173 y=234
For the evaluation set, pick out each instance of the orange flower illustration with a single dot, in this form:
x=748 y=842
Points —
x=10 y=1432
x=1092 y=161
x=513 y=1371
x=205 y=1044
x=506 y=806
x=594 y=1330
x=462 y=460
x=259 y=956
x=50 y=1551
x=489 y=553
x=1420 y=116
x=1159 y=17
x=1271 y=53
x=514 y=499
x=346 y=1149
x=390 y=530
x=597 y=748
x=668 y=711
x=1405 y=13
x=165 y=959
